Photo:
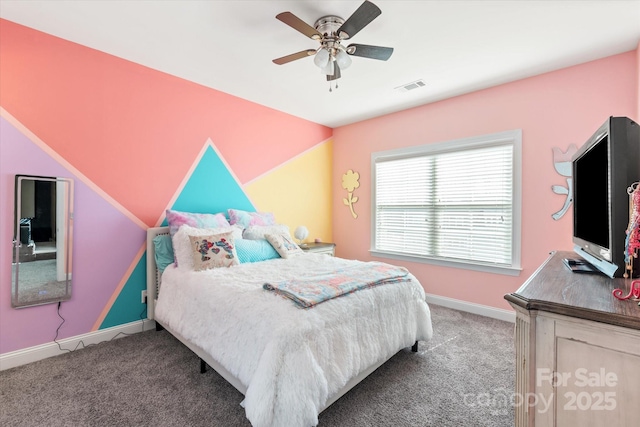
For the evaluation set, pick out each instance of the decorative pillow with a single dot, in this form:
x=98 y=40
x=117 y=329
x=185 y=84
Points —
x=175 y=219
x=245 y=219
x=213 y=251
x=258 y=232
x=182 y=249
x=164 y=251
x=237 y=231
x=284 y=244
x=255 y=250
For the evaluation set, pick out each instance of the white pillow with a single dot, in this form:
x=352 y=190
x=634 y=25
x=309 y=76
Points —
x=259 y=232
x=182 y=250
x=284 y=245
x=237 y=231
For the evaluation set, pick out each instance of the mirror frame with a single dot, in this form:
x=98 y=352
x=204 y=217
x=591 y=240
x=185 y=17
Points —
x=64 y=220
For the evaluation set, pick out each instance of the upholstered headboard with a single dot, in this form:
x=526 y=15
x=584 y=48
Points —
x=153 y=275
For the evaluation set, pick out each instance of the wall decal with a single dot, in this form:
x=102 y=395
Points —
x=350 y=183
x=562 y=164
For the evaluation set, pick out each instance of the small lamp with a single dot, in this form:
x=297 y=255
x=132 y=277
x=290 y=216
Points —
x=301 y=233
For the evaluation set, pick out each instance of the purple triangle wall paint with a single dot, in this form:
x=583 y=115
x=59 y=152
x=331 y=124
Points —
x=101 y=255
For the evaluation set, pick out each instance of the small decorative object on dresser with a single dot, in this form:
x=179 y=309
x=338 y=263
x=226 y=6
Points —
x=320 y=248
x=301 y=233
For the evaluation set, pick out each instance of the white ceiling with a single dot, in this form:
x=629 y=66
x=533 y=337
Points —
x=454 y=46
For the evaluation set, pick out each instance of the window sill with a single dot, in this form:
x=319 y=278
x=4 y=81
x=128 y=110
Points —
x=485 y=268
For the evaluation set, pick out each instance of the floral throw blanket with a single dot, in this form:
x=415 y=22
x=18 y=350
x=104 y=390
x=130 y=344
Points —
x=310 y=291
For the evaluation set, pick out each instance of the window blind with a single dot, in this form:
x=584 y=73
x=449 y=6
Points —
x=452 y=205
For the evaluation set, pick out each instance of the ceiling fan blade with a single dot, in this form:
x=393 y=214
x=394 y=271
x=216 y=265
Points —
x=298 y=24
x=294 y=56
x=373 y=52
x=366 y=13
x=336 y=73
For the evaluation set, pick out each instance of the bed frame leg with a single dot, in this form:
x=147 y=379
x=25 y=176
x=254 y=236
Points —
x=159 y=327
x=414 y=348
x=203 y=366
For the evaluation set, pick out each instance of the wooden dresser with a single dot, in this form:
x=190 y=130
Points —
x=577 y=349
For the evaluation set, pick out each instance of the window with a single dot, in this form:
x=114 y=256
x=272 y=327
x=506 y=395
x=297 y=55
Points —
x=455 y=203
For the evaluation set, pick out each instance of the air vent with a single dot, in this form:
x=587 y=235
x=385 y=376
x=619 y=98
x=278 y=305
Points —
x=411 y=86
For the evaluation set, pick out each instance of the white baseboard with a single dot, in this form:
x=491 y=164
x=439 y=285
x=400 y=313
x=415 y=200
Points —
x=470 y=307
x=43 y=351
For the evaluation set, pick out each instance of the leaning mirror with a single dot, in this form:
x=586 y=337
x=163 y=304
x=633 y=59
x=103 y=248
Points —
x=41 y=267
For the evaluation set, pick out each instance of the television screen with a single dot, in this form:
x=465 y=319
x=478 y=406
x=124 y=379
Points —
x=603 y=169
x=591 y=193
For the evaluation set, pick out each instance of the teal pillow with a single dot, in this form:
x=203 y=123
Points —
x=254 y=250
x=164 y=251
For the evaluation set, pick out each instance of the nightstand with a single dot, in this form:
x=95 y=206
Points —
x=319 y=248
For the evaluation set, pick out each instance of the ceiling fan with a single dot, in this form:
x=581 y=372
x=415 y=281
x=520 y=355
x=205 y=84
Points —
x=331 y=56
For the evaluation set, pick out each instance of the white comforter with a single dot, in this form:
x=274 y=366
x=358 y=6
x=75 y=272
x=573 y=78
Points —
x=291 y=360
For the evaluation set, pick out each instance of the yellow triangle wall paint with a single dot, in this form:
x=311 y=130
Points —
x=299 y=192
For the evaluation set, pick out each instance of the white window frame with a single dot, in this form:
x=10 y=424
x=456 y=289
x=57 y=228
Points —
x=513 y=137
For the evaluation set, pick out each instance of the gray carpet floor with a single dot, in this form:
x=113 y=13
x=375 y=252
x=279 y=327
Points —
x=464 y=376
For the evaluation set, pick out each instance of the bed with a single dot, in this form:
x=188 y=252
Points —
x=290 y=363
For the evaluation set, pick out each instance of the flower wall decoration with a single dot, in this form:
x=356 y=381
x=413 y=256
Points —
x=350 y=183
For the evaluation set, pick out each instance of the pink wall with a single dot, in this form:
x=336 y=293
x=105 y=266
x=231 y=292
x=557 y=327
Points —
x=553 y=110
x=119 y=122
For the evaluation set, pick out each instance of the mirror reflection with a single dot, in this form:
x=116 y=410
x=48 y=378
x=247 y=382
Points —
x=41 y=267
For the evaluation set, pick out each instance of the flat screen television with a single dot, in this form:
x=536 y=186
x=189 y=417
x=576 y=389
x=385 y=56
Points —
x=603 y=169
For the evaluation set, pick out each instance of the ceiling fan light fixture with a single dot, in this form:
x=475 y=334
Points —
x=343 y=59
x=330 y=30
x=328 y=69
x=322 y=58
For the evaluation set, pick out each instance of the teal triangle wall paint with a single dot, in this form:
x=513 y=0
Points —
x=128 y=306
x=211 y=188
